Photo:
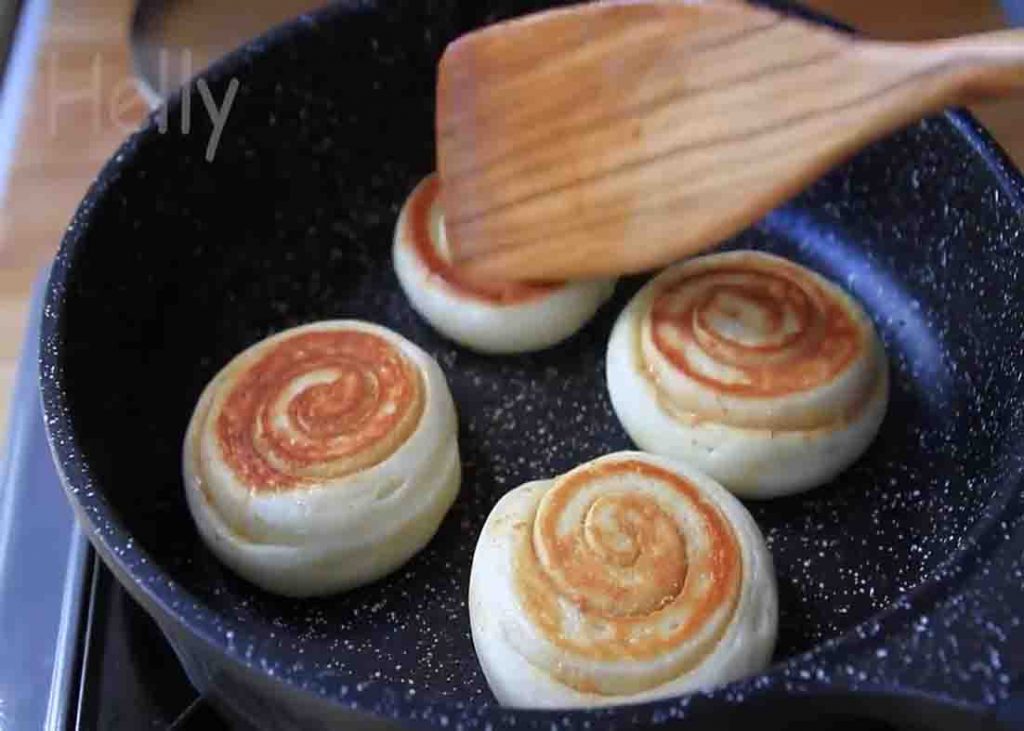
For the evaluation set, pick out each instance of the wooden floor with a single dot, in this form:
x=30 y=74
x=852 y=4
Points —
x=83 y=103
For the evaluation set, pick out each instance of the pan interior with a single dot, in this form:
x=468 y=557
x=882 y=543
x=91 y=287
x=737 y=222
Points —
x=186 y=262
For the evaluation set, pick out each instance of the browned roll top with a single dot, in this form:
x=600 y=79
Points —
x=316 y=406
x=767 y=325
x=643 y=557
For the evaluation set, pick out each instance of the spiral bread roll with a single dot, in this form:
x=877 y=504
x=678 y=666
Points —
x=630 y=578
x=322 y=458
x=753 y=369
x=483 y=315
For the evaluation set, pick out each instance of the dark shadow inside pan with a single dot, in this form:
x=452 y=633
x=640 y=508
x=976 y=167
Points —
x=187 y=262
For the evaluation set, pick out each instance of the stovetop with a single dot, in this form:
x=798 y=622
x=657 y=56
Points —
x=127 y=675
x=78 y=652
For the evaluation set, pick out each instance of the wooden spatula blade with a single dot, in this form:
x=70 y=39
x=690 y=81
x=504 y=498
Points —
x=614 y=137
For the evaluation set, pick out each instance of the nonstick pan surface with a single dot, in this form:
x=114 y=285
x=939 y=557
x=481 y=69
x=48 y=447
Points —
x=903 y=576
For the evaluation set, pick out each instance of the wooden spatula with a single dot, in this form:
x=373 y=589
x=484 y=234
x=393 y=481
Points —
x=615 y=137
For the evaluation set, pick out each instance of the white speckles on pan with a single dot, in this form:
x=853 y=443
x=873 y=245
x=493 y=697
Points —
x=901 y=573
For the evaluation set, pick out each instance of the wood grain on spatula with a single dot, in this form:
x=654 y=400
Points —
x=615 y=137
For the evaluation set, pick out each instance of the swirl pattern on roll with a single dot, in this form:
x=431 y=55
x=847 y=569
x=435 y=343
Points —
x=723 y=337
x=322 y=457
x=317 y=406
x=758 y=370
x=757 y=330
x=627 y=561
x=630 y=577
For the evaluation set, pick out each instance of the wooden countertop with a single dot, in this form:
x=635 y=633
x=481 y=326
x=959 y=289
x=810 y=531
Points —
x=84 y=54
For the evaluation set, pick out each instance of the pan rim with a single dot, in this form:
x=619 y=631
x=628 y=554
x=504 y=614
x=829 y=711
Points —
x=172 y=601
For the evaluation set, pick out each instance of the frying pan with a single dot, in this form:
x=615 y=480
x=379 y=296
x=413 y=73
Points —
x=900 y=583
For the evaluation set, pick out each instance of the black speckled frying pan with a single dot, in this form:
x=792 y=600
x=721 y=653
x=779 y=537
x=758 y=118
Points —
x=902 y=584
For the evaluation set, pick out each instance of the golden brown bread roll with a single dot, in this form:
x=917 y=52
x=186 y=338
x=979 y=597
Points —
x=322 y=458
x=630 y=578
x=752 y=368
